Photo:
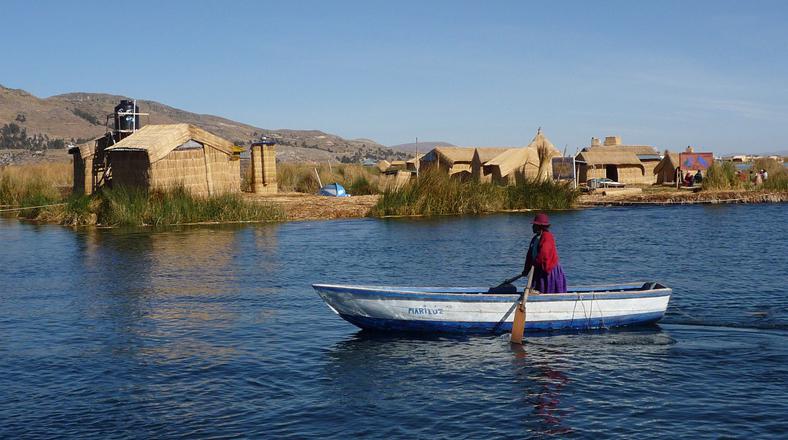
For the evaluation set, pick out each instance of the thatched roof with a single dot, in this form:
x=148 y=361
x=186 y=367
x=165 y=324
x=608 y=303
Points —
x=87 y=148
x=454 y=154
x=644 y=150
x=637 y=149
x=486 y=154
x=460 y=168
x=670 y=162
x=541 y=140
x=608 y=156
x=414 y=160
x=159 y=140
x=383 y=165
x=514 y=159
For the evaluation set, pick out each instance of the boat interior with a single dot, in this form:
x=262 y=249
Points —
x=510 y=289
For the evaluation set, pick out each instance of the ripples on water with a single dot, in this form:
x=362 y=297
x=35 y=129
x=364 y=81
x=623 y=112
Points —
x=215 y=332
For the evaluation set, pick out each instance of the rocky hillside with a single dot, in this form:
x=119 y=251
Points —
x=421 y=147
x=29 y=122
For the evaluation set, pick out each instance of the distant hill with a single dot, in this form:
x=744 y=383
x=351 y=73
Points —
x=422 y=147
x=27 y=121
x=783 y=153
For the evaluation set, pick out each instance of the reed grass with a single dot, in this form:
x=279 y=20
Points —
x=357 y=179
x=34 y=185
x=124 y=206
x=435 y=193
x=722 y=176
x=778 y=174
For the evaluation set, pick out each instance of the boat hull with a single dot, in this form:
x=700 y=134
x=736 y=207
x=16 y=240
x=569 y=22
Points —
x=469 y=310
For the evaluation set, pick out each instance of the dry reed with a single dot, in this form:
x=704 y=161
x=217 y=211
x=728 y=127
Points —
x=435 y=193
x=357 y=179
x=34 y=184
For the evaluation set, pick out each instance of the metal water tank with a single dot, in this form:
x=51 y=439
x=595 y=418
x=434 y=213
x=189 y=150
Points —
x=264 y=140
x=125 y=117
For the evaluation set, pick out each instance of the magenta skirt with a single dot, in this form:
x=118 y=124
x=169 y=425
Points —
x=550 y=282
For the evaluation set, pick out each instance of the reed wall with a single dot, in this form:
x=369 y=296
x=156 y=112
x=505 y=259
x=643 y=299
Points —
x=264 y=169
x=631 y=174
x=181 y=168
x=130 y=168
x=649 y=177
x=83 y=174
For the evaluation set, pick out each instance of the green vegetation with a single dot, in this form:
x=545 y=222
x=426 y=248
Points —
x=47 y=184
x=435 y=193
x=778 y=174
x=15 y=136
x=361 y=186
x=723 y=176
x=138 y=207
x=86 y=116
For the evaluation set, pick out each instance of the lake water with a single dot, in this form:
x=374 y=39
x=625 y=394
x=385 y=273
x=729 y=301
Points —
x=215 y=332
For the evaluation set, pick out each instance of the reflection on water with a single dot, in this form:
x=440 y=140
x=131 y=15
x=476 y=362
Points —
x=478 y=377
x=216 y=332
x=544 y=393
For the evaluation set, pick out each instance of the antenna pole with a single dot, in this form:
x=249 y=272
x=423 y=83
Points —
x=417 y=157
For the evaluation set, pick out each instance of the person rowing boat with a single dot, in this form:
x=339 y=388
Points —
x=542 y=255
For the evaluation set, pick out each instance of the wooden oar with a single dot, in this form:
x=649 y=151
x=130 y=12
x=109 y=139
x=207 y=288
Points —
x=518 y=325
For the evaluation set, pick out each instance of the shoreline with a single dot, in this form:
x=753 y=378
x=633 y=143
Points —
x=679 y=197
x=311 y=207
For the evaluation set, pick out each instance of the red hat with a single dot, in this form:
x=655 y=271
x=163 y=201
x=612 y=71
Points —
x=541 y=219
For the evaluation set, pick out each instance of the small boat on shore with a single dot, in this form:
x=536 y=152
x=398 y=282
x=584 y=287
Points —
x=474 y=310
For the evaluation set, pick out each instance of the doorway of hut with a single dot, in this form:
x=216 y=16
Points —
x=611 y=172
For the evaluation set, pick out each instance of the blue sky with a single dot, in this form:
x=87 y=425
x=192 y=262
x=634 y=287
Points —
x=711 y=74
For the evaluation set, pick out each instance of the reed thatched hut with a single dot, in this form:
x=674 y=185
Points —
x=168 y=156
x=512 y=164
x=89 y=165
x=614 y=163
x=455 y=161
x=482 y=155
x=83 y=156
x=648 y=156
x=396 y=179
x=412 y=164
x=515 y=163
x=383 y=165
x=665 y=171
x=545 y=152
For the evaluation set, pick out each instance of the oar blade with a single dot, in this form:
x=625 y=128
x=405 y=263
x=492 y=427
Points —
x=518 y=325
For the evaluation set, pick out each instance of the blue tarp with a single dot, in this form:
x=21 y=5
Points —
x=334 y=190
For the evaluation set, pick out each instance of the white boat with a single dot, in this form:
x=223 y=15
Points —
x=473 y=310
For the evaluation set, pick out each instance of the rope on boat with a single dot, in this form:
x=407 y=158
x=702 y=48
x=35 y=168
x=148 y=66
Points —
x=601 y=313
x=32 y=207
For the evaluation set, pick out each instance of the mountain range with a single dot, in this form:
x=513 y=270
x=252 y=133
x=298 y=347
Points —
x=27 y=121
x=421 y=147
